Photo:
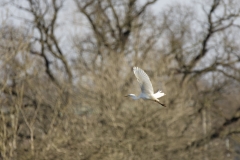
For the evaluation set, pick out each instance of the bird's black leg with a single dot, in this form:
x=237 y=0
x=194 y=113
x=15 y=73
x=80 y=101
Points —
x=160 y=103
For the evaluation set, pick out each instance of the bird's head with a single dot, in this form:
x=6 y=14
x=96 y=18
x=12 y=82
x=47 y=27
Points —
x=130 y=95
x=133 y=96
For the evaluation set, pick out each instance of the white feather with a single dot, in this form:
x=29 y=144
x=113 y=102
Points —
x=159 y=94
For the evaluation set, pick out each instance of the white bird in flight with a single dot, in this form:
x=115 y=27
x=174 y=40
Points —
x=146 y=87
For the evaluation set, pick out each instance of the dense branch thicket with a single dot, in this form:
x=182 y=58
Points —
x=62 y=93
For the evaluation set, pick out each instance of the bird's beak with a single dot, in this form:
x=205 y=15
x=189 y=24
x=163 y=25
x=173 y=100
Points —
x=126 y=96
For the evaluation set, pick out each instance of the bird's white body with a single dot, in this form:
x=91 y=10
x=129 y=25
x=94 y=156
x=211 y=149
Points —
x=146 y=87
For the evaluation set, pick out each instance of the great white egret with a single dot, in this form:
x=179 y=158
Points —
x=146 y=87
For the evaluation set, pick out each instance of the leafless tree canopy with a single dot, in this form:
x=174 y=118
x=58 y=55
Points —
x=67 y=65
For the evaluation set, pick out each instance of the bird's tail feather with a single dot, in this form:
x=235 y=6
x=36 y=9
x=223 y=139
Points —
x=159 y=94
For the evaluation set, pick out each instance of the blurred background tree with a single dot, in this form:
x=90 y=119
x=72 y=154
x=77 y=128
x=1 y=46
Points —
x=64 y=74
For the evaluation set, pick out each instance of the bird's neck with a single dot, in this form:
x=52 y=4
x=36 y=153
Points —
x=133 y=96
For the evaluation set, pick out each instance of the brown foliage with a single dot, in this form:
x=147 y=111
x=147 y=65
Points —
x=60 y=103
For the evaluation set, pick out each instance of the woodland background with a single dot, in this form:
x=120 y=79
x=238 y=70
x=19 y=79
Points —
x=64 y=75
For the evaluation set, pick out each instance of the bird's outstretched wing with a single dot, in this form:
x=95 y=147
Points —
x=144 y=81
